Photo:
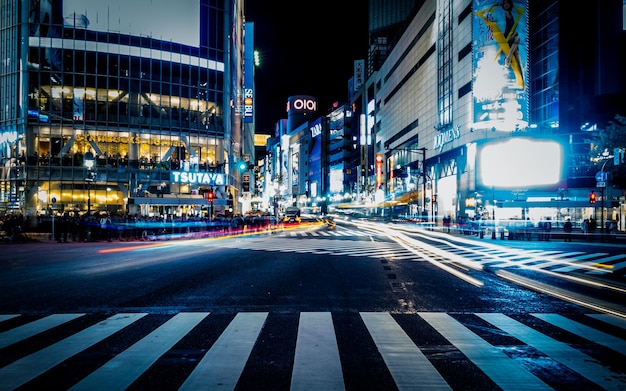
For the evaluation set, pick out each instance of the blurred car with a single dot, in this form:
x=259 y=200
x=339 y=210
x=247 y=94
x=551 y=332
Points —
x=292 y=215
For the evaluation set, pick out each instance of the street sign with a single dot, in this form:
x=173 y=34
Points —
x=601 y=184
x=601 y=176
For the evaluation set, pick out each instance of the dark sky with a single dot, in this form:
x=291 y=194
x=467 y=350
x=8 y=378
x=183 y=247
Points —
x=306 y=48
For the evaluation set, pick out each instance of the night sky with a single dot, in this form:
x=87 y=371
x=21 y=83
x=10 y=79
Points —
x=306 y=48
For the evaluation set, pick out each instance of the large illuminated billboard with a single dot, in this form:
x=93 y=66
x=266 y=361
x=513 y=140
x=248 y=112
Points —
x=500 y=64
x=520 y=163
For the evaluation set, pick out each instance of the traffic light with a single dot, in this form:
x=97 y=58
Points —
x=210 y=195
x=592 y=197
x=243 y=166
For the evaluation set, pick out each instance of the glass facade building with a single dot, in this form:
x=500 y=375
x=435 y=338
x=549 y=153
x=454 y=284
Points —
x=150 y=89
x=486 y=113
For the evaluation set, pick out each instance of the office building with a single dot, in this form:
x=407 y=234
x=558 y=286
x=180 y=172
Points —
x=134 y=108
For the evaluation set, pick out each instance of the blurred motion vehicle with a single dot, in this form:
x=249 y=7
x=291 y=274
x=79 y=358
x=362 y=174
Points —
x=292 y=215
x=330 y=223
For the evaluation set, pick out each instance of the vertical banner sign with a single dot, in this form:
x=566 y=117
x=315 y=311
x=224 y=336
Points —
x=295 y=168
x=500 y=64
x=248 y=74
x=358 y=73
x=379 y=170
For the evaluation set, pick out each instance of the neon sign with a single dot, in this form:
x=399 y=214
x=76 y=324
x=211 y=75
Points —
x=248 y=96
x=302 y=103
x=198 y=178
x=379 y=170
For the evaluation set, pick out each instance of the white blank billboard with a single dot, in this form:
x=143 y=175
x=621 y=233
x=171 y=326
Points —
x=521 y=163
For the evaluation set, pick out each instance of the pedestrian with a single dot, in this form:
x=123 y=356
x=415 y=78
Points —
x=541 y=230
x=613 y=230
x=592 y=228
x=528 y=229
x=446 y=223
x=547 y=226
x=567 y=230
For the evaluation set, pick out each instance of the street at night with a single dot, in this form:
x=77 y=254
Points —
x=359 y=306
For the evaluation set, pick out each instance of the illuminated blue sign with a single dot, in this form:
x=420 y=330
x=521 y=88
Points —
x=198 y=178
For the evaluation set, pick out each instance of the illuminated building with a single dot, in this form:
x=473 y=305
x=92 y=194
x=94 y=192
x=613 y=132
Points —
x=153 y=89
x=469 y=117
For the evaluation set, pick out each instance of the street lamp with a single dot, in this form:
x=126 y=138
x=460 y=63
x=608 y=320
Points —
x=88 y=162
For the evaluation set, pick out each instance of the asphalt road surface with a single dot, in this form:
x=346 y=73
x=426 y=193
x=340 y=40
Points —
x=355 y=307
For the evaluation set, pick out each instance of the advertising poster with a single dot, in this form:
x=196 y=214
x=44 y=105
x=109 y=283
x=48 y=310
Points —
x=295 y=168
x=500 y=64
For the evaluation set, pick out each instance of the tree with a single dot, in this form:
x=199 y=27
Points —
x=614 y=136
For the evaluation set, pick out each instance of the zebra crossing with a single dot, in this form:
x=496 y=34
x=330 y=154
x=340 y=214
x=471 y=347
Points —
x=425 y=350
x=597 y=263
x=344 y=232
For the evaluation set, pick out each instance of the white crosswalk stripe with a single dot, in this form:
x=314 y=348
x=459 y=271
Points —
x=500 y=368
x=316 y=363
x=585 y=332
x=223 y=363
x=27 y=368
x=141 y=355
x=328 y=233
x=554 y=260
x=316 y=353
x=28 y=330
x=406 y=362
x=559 y=351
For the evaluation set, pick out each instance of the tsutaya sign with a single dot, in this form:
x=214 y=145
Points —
x=198 y=178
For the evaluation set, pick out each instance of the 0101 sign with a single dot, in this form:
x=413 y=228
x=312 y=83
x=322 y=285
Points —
x=302 y=104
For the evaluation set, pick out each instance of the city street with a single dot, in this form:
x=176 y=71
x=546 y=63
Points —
x=360 y=306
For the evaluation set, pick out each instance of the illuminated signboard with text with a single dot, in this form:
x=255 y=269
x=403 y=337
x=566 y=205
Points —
x=301 y=103
x=198 y=178
x=299 y=109
x=248 y=74
x=379 y=170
